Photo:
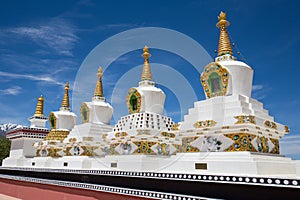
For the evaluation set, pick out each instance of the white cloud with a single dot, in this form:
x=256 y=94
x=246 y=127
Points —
x=57 y=34
x=259 y=92
x=17 y=119
x=50 y=66
x=118 y=96
x=290 y=137
x=11 y=113
x=105 y=27
x=290 y=146
x=173 y=113
x=15 y=90
x=257 y=87
x=42 y=78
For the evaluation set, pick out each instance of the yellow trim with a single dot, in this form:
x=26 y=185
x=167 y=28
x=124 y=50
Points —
x=55 y=134
x=242 y=119
x=204 y=124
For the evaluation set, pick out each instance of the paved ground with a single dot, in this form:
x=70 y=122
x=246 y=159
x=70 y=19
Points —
x=5 y=197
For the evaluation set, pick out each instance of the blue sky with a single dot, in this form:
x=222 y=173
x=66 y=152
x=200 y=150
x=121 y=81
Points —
x=44 y=43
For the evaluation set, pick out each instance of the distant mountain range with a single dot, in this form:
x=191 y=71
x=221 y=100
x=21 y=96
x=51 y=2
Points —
x=6 y=127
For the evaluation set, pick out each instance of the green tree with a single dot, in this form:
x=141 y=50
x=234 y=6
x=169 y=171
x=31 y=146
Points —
x=4 y=148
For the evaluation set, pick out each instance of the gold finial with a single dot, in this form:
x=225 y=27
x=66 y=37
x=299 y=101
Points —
x=99 y=89
x=222 y=16
x=146 y=74
x=65 y=103
x=224 y=42
x=39 y=107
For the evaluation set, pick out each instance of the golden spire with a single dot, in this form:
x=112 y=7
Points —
x=65 y=103
x=39 y=107
x=99 y=89
x=224 y=42
x=146 y=74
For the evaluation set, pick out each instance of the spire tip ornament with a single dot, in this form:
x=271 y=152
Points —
x=39 y=111
x=224 y=42
x=65 y=105
x=99 y=88
x=146 y=74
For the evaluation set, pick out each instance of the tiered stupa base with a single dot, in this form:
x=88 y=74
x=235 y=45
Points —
x=238 y=163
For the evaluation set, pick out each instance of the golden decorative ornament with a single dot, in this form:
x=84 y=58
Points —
x=242 y=119
x=99 y=88
x=275 y=149
x=111 y=150
x=39 y=111
x=187 y=147
x=65 y=102
x=54 y=152
x=269 y=124
x=242 y=142
x=89 y=150
x=67 y=151
x=90 y=139
x=144 y=147
x=163 y=149
x=41 y=151
x=146 y=74
x=286 y=129
x=204 y=123
x=224 y=42
x=38 y=153
x=262 y=144
x=143 y=132
x=55 y=134
x=167 y=134
x=52 y=143
x=175 y=127
x=121 y=134
x=225 y=127
x=214 y=80
x=72 y=140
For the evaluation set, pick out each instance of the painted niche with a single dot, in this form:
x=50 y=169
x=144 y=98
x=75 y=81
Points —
x=214 y=80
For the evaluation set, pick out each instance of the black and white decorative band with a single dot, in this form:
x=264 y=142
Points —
x=103 y=188
x=232 y=179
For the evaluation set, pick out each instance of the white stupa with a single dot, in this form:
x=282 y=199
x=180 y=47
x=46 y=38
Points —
x=23 y=138
x=64 y=119
x=95 y=115
x=88 y=138
x=235 y=128
x=145 y=129
x=145 y=104
x=61 y=123
x=38 y=120
x=146 y=98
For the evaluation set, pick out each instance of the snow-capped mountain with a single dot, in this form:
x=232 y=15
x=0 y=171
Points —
x=6 y=127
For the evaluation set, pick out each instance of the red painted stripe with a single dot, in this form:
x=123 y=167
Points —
x=28 y=131
x=35 y=191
